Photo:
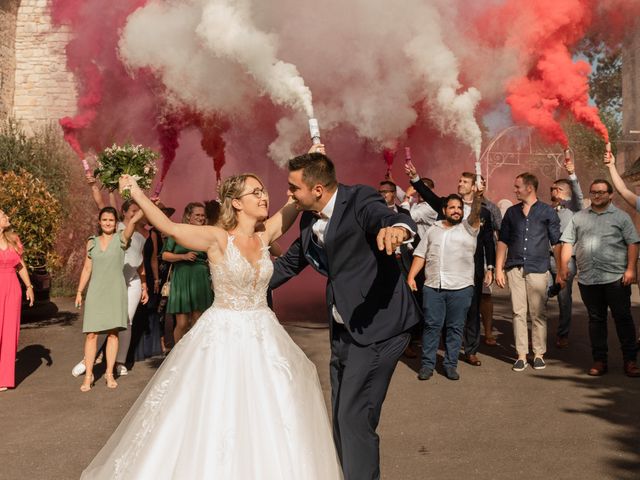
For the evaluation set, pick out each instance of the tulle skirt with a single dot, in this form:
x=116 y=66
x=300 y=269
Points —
x=235 y=399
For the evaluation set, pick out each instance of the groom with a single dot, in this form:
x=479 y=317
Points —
x=349 y=235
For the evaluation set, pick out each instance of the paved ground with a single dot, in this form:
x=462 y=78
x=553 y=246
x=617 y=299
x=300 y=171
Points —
x=492 y=424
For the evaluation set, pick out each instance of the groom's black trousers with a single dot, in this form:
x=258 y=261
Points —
x=360 y=377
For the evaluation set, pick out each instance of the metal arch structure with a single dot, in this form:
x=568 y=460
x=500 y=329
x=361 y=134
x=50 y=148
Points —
x=532 y=155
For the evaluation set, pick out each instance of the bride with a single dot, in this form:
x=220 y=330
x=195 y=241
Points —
x=236 y=398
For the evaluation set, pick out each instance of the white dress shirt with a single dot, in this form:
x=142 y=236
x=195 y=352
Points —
x=448 y=253
x=422 y=214
x=320 y=228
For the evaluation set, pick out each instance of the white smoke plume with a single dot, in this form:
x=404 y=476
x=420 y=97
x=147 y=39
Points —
x=373 y=68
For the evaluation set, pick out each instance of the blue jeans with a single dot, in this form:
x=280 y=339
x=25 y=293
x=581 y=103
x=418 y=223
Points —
x=444 y=309
x=564 y=297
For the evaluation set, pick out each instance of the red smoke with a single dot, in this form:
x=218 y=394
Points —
x=168 y=129
x=543 y=32
x=89 y=98
x=212 y=128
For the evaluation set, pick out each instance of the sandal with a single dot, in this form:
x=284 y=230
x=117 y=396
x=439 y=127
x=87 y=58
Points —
x=490 y=341
x=111 y=383
x=86 y=387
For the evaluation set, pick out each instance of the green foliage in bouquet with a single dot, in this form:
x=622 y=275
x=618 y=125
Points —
x=35 y=215
x=134 y=160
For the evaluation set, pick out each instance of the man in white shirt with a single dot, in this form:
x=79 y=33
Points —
x=448 y=250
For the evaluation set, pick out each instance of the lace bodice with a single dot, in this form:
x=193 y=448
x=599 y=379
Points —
x=239 y=285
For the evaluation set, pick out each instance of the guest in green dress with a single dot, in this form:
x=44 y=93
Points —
x=190 y=293
x=106 y=303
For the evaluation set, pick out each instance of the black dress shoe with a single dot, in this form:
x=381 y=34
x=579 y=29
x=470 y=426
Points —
x=451 y=373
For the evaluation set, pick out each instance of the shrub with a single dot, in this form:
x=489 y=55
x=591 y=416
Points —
x=44 y=154
x=35 y=215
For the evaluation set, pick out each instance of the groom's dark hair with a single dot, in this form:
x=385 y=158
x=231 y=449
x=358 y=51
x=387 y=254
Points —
x=316 y=169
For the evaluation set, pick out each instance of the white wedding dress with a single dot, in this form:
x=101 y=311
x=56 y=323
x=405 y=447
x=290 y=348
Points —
x=236 y=399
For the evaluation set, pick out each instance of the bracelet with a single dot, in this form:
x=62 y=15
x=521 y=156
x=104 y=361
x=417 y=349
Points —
x=29 y=286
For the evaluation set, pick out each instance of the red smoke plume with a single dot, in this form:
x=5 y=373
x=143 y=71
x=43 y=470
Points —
x=543 y=32
x=103 y=83
x=212 y=128
x=168 y=128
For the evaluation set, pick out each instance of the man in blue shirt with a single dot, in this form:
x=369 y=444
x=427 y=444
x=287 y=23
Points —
x=528 y=229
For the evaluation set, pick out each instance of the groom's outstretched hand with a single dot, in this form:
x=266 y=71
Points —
x=390 y=238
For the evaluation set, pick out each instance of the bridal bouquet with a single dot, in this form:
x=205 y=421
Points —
x=134 y=160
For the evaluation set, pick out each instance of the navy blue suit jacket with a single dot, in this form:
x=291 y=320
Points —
x=364 y=284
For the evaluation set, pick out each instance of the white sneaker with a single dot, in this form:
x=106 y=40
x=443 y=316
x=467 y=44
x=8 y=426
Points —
x=79 y=369
x=121 y=370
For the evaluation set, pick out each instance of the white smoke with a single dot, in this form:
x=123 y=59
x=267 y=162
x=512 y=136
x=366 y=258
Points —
x=436 y=66
x=373 y=68
x=228 y=32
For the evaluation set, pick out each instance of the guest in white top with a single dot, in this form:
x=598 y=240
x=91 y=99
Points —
x=420 y=211
x=448 y=251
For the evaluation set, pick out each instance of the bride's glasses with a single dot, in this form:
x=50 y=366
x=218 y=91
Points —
x=256 y=192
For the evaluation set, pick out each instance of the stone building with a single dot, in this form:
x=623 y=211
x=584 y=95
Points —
x=629 y=147
x=35 y=85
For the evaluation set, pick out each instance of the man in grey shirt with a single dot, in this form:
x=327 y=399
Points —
x=605 y=243
x=566 y=199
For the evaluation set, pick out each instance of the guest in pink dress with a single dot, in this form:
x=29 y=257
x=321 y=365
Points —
x=10 y=300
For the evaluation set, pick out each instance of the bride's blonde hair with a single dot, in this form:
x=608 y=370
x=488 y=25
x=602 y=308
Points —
x=230 y=190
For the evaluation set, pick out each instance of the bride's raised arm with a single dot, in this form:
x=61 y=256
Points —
x=278 y=224
x=193 y=237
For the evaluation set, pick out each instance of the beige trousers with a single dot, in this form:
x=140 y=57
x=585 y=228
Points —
x=529 y=295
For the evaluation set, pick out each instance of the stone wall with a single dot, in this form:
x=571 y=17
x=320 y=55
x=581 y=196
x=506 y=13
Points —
x=629 y=151
x=44 y=90
x=8 y=12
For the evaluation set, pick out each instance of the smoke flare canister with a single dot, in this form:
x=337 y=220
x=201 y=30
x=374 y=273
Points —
x=314 y=131
x=156 y=192
x=607 y=147
x=478 y=174
x=407 y=154
x=567 y=156
x=85 y=165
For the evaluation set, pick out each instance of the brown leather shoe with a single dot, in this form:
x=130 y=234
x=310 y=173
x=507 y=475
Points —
x=562 y=342
x=473 y=360
x=491 y=341
x=598 y=369
x=631 y=369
